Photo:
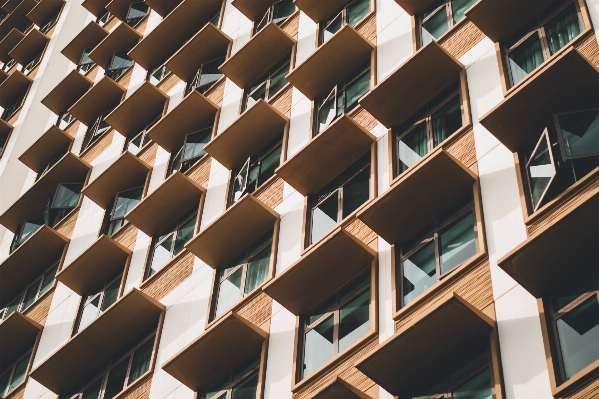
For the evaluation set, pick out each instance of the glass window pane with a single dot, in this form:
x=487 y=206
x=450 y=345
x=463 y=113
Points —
x=321 y=311
x=541 y=170
x=447 y=120
x=48 y=279
x=67 y=196
x=93 y=390
x=565 y=298
x=241 y=181
x=13 y=306
x=137 y=10
x=457 y=243
x=257 y=270
x=89 y=313
x=162 y=254
x=282 y=10
x=4 y=382
x=357 y=11
x=247 y=388
x=356 y=192
x=354 y=320
x=419 y=273
x=195 y=143
x=525 y=58
x=435 y=26
x=126 y=201
x=30 y=295
x=120 y=60
x=578 y=334
x=278 y=81
x=412 y=147
x=255 y=95
x=319 y=346
x=263 y=22
x=327 y=112
x=356 y=90
x=459 y=7
x=210 y=72
x=20 y=372
x=29 y=228
x=141 y=361
x=116 y=379
x=478 y=387
x=110 y=295
x=184 y=234
x=580 y=133
x=324 y=217
x=562 y=29
x=332 y=26
x=229 y=292
x=269 y=164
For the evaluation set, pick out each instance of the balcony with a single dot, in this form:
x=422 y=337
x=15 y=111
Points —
x=14 y=88
x=161 y=208
x=45 y=11
x=10 y=5
x=253 y=9
x=120 y=8
x=414 y=7
x=89 y=348
x=163 y=8
x=216 y=352
x=51 y=145
x=194 y=112
x=332 y=62
x=122 y=38
x=249 y=133
x=145 y=104
x=67 y=92
x=433 y=343
x=417 y=196
x=569 y=83
x=326 y=155
x=103 y=259
x=233 y=231
x=258 y=56
x=178 y=26
x=8 y=43
x=17 y=17
x=29 y=47
x=320 y=272
x=18 y=334
x=96 y=7
x=89 y=37
x=339 y=388
x=423 y=76
x=206 y=45
x=101 y=98
x=319 y=10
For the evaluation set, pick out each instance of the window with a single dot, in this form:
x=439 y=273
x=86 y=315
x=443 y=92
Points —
x=277 y=13
x=335 y=325
x=48 y=166
x=121 y=205
x=562 y=156
x=268 y=87
x=136 y=141
x=127 y=366
x=97 y=129
x=191 y=151
x=256 y=170
x=530 y=49
x=32 y=64
x=3 y=15
x=206 y=76
x=158 y=74
x=14 y=375
x=343 y=98
x=119 y=64
x=438 y=120
x=104 y=18
x=93 y=304
x=440 y=18
x=64 y=120
x=32 y=292
x=86 y=63
x=172 y=242
x=136 y=12
x=243 y=275
x=3 y=141
x=432 y=254
x=575 y=323
x=352 y=13
x=8 y=65
x=242 y=383
x=12 y=109
x=339 y=199
x=50 y=24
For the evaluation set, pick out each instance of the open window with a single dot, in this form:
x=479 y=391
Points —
x=277 y=13
x=121 y=205
x=158 y=74
x=136 y=12
x=14 y=375
x=351 y=14
x=94 y=131
x=206 y=76
x=439 y=18
x=240 y=382
x=119 y=64
x=191 y=151
x=103 y=19
x=97 y=301
x=268 y=86
x=138 y=140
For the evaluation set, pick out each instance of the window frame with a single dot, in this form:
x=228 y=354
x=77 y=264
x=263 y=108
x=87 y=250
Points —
x=82 y=65
x=133 y=22
x=164 y=73
x=91 y=134
x=192 y=84
x=343 y=11
x=102 y=294
x=268 y=14
x=143 y=132
x=12 y=369
x=560 y=137
x=109 y=72
x=266 y=80
x=544 y=137
x=234 y=383
x=434 y=8
x=181 y=152
x=105 y=18
x=108 y=219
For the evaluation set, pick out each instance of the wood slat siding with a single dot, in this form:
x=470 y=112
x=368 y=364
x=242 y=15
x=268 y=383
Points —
x=591 y=391
x=257 y=310
x=72 y=129
x=170 y=276
x=282 y=101
x=216 y=92
x=126 y=79
x=462 y=39
x=67 y=225
x=168 y=83
x=111 y=24
x=462 y=148
x=200 y=172
x=126 y=236
x=345 y=369
x=474 y=286
x=92 y=73
x=141 y=28
x=271 y=193
x=363 y=118
x=291 y=26
x=33 y=73
x=98 y=147
x=590 y=49
x=19 y=392
x=368 y=28
x=141 y=391
x=148 y=154
x=364 y=233
x=39 y=311
x=565 y=205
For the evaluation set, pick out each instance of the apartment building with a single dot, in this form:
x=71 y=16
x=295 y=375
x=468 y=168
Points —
x=299 y=199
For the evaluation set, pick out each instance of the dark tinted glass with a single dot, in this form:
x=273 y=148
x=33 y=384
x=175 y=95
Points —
x=356 y=192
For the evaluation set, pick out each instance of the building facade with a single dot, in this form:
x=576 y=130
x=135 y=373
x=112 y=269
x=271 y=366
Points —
x=235 y=199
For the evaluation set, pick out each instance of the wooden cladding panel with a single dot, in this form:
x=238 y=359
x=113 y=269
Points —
x=362 y=232
x=169 y=277
x=474 y=286
x=346 y=370
x=590 y=49
x=92 y=73
x=39 y=311
x=18 y=393
x=126 y=78
x=569 y=202
x=363 y=118
x=98 y=147
x=141 y=28
x=216 y=92
x=271 y=193
x=591 y=391
x=126 y=236
x=200 y=172
x=462 y=148
x=258 y=309
x=67 y=225
x=141 y=390
x=148 y=154
x=462 y=39
x=291 y=26
x=72 y=129
x=282 y=101
x=368 y=28
x=169 y=82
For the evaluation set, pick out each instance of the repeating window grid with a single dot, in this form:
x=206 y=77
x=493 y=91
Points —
x=341 y=14
x=101 y=295
x=560 y=135
x=158 y=74
x=269 y=16
x=228 y=391
x=194 y=84
x=449 y=13
x=544 y=140
x=96 y=130
x=267 y=81
x=9 y=387
x=141 y=135
x=21 y=297
x=179 y=160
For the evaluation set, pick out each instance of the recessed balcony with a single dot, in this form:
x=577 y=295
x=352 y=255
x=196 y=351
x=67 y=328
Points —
x=53 y=144
x=67 y=93
x=45 y=11
x=29 y=47
x=319 y=10
x=122 y=38
x=101 y=98
x=8 y=43
x=89 y=37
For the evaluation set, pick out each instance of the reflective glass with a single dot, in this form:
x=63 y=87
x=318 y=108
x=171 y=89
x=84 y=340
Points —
x=327 y=112
x=457 y=243
x=29 y=228
x=141 y=361
x=229 y=292
x=48 y=280
x=110 y=295
x=67 y=196
x=357 y=11
x=210 y=74
x=540 y=170
x=269 y=164
x=324 y=217
x=162 y=254
x=459 y=7
x=256 y=94
x=184 y=234
x=126 y=201
x=89 y=313
x=447 y=120
x=565 y=298
x=116 y=379
x=93 y=391
x=525 y=58
x=257 y=271
x=562 y=29
x=4 y=379
x=195 y=143
x=120 y=60
x=19 y=374
x=332 y=27
x=319 y=346
x=12 y=307
x=246 y=389
x=356 y=90
x=580 y=133
x=241 y=181
x=578 y=334
x=419 y=273
x=278 y=81
x=412 y=147
x=356 y=192
x=282 y=10
x=137 y=10
x=435 y=26
x=354 y=320
x=478 y=387
x=30 y=295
